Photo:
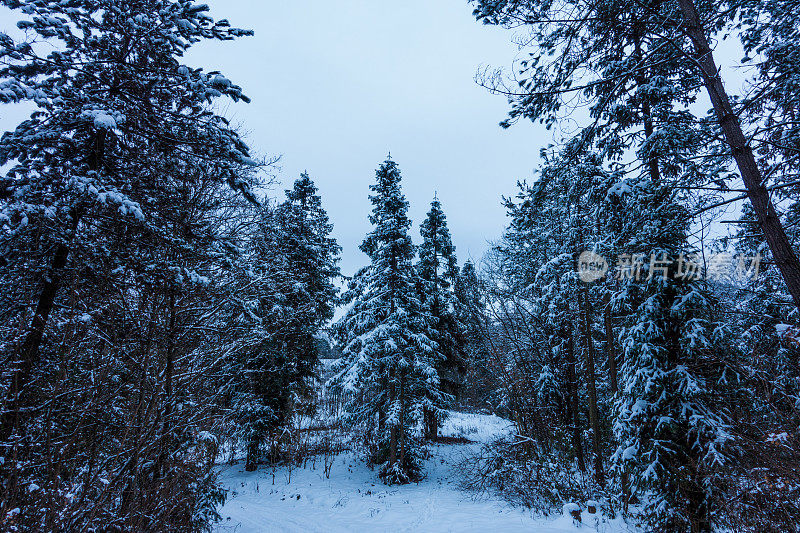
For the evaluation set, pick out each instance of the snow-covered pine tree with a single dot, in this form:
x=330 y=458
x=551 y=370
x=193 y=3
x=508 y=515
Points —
x=757 y=302
x=771 y=40
x=256 y=372
x=389 y=359
x=563 y=214
x=670 y=422
x=289 y=295
x=111 y=243
x=470 y=304
x=438 y=270
x=641 y=100
x=313 y=258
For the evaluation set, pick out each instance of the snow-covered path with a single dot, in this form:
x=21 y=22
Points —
x=354 y=500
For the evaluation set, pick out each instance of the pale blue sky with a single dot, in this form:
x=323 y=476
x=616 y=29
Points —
x=337 y=85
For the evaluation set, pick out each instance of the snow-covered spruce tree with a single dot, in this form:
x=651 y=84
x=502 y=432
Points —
x=389 y=358
x=111 y=245
x=576 y=205
x=289 y=294
x=470 y=304
x=671 y=421
x=313 y=259
x=438 y=269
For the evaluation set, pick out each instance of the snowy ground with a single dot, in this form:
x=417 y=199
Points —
x=354 y=500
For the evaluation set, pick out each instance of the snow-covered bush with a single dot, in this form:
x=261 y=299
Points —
x=515 y=470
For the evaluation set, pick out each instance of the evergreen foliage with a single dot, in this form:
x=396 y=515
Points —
x=288 y=296
x=113 y=239
x=390 y=360
x=438 y=270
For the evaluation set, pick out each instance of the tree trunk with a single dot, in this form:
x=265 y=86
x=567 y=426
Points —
x=611 y=353
x=392 y=445
x=591 y=388
x=29 y=351
x=251 y=460
x=647 y=113
x=169 y=371
x=431 y=424
x=572 y=392
x=626 y=491
x=770 y=224
x=393 y=427
x=402 y=435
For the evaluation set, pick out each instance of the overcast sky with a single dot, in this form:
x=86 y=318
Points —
x=336 y=86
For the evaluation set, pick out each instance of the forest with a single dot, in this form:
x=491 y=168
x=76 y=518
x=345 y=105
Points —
x=181 y=349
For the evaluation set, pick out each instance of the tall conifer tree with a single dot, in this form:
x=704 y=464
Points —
x=390 y=359
x=291 y=296
x=438 y=271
